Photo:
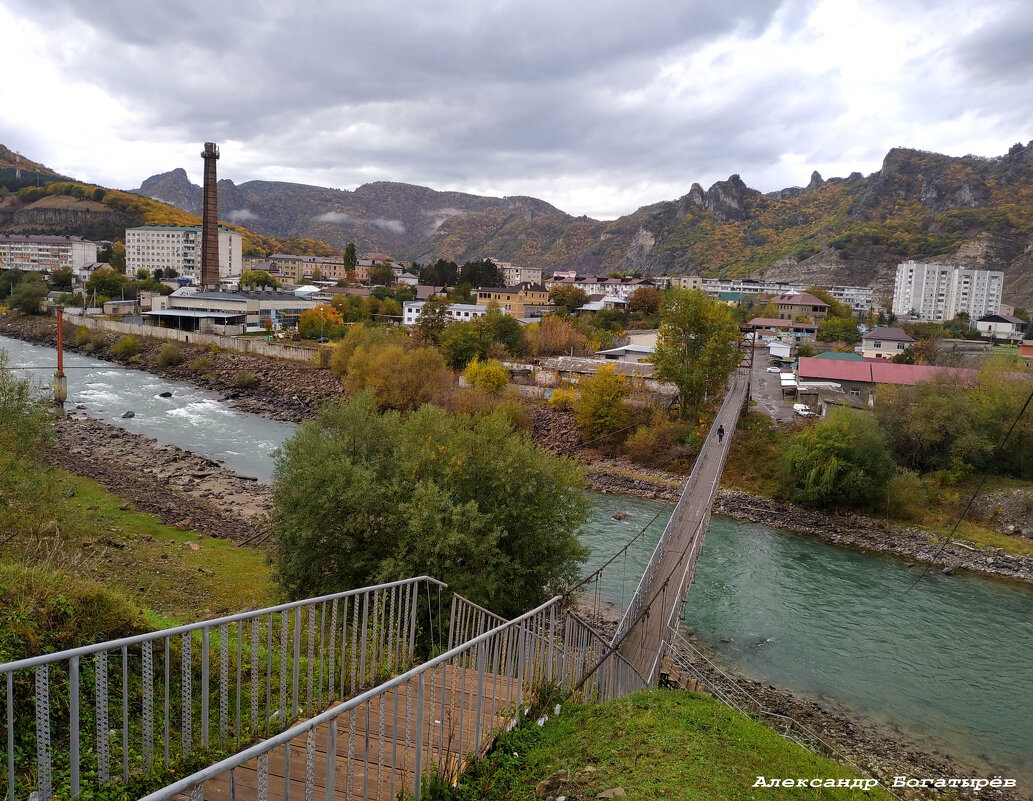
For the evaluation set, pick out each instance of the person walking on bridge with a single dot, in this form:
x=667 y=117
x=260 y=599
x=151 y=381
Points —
x=720 y=434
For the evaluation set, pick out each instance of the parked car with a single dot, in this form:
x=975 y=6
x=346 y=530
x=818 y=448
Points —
x=802 y=409
x=774 y=369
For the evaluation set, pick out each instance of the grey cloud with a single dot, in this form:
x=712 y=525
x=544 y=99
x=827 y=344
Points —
x=241 y=215
x=336 y=217
x=394 y=226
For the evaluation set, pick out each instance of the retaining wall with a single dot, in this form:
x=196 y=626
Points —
x=248 y=345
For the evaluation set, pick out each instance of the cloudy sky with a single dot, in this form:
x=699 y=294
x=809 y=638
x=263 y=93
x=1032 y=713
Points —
x=597 y=106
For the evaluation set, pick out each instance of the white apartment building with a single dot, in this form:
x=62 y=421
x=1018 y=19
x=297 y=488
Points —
x=178 y=247
x=46 y=253
x=858 y=298
x=513 y=275
x=941 y=291
x=464 y=312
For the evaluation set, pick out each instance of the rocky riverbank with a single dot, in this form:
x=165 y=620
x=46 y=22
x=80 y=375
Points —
x=839 y=528
x=182 y=489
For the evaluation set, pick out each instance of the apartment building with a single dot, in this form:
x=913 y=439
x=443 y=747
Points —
x=941 y=291
x=178 y=247
x=46 y=253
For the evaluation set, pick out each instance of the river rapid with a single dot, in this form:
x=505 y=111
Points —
x=947 y=661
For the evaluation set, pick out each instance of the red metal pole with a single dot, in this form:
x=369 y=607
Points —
x=60 y=342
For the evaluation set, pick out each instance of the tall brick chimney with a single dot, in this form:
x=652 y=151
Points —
x=210 y=220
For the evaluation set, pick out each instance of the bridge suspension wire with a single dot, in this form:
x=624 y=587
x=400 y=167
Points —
x=972 y=499
x=597 y=574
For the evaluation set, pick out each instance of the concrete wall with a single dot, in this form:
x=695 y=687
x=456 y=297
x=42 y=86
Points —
x=249 y=345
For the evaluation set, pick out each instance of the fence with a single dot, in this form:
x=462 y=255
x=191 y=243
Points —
x=254 y=346
x=433 y=716
x=83 y=718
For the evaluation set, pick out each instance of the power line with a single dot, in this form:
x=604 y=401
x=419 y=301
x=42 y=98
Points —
x=982 y=480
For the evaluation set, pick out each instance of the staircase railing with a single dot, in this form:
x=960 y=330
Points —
x=170 y=700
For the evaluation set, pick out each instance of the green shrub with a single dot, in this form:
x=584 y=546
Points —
x=202 y=364
x=82 y=335
x=245 y=379
x=563 y=398
x=491 y=375
x=906 y=496
x=660 y=442
x=171 y=354
x=127 y=346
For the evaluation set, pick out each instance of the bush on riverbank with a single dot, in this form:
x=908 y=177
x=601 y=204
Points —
x=363 y=496
x=126 y=347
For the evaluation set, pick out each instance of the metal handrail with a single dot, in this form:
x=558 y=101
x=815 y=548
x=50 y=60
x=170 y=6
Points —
x=86 y=650
x=331 y=715
x=296 y=655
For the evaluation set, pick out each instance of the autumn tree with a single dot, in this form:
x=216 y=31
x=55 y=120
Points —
x=568 y=296
x=350 y=259
x=555 y=336
x=696 y=345
x=601 y=411
x=490 y=375
x=646 y=300
x=322 y=321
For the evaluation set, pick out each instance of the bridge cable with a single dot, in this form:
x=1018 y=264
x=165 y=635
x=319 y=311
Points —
x=972 y=499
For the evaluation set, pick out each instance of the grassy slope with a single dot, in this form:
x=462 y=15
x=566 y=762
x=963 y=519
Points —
x=656 y=745
x=171 y=576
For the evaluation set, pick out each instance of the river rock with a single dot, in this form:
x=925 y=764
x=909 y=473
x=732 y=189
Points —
x=164 y=394
x=552 y=785
x=613 y=792
x=619 y=516
x=127 y=415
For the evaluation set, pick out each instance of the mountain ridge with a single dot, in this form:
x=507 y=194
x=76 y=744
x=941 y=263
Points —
x=969 y=210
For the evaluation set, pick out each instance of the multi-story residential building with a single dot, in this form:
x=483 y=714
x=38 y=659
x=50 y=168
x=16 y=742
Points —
x=178 y=247
x=463 y=312
x=884 y=342
x=859 y=298
x=619 y=287
x=941 y=291
x=513 y=275
x=299 y=269
x=522 y=300
x=46 y=253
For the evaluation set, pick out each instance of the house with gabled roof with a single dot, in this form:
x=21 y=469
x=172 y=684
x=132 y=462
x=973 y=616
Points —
x=884 y=342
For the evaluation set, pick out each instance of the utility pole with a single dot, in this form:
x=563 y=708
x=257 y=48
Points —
x=60 y=380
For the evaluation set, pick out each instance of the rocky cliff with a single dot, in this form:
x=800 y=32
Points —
x=970 y=210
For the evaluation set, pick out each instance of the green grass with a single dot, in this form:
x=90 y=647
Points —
x=177 y=576
x=656 y=745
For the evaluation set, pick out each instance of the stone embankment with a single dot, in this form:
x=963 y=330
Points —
x=180 y=488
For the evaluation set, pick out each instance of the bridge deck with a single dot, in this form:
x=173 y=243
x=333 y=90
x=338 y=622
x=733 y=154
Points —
x=375 y=754
x=678 y=561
